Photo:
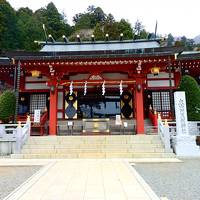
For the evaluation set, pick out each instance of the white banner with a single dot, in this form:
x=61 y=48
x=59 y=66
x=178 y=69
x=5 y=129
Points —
x=37 y=114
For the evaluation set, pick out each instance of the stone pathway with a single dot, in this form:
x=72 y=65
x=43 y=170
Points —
x=93 y=179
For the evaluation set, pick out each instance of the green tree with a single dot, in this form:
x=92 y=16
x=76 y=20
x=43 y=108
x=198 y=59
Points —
x=111 y=27
x=98 y=32
x=54 y=21
x=8 y=28
x=125 y=28
x=138 y=27
x=139 y=31
x=90 y=18
x=7 y=106
x=28 y=29
x=170 y=40
x=84 y=22
x=192 y=91
x=99 y=16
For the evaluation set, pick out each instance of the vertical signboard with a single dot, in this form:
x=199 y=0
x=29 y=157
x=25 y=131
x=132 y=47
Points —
x=181 y=113
x=37 y=116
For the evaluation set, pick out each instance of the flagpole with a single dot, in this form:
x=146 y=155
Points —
x=44 y=28
x=156 y=29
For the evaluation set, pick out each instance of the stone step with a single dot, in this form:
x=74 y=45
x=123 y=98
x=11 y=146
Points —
x=96 y=138
x=118 y=146
x=94 y=155
x=100 y=150
x=90 y=146
x=94 y=141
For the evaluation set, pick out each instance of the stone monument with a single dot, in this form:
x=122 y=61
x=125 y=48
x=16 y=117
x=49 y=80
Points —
x=184 y=144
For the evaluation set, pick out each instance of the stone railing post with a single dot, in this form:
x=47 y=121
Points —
x=163 y=131
x=2 y=130
x=166 y=136
x=18 y=138
x=28 y=122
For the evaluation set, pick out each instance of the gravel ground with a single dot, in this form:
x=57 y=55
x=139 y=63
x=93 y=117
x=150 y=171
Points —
x=177 y=181
x=12 y=177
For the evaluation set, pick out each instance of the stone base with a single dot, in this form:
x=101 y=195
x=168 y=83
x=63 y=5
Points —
x=186 y=146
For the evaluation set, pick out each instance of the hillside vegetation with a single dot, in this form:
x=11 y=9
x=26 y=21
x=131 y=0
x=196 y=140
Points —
x=20 y=28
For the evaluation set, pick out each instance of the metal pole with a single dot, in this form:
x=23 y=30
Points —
x=17 y=88
x=170 y=87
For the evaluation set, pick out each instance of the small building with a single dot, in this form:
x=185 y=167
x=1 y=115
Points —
x=112 y=80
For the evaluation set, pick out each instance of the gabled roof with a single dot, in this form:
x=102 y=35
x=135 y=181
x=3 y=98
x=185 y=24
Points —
x=151 y=52
x=99 y=46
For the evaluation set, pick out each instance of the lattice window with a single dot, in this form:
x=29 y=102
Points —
x=37 y=102
x=165 y=98
x=156 y=101
x=161 y=101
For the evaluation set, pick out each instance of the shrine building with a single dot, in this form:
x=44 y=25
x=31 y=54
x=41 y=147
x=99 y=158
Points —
x=75 y=83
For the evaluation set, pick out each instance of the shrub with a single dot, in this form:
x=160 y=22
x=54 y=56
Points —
x=192 y=92
x=7 y=106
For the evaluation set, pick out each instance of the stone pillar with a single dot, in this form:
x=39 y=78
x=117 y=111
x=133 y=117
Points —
x=184 y=144
x=139 y=106
x=53 y=110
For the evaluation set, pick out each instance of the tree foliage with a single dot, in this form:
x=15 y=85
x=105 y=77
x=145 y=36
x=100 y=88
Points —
x=7 y=105
x=98 y=32
x=192 y=91
x=8 y=26
x=90 y=18
x=19 y=29
x=185 y=42
x=102 y=24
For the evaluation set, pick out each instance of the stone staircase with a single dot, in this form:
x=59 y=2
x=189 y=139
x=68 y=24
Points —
x=100 y=146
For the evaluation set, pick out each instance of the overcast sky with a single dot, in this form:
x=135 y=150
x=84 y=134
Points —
x=179 y=17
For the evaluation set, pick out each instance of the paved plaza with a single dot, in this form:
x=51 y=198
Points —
x=100 y=179
x=80 y=179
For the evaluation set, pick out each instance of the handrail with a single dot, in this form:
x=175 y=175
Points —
x=40 y=125
x=18 y=134
x=163 y=131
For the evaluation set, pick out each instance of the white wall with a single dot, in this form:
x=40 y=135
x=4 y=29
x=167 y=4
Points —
x=160 y=80
x=34 y=83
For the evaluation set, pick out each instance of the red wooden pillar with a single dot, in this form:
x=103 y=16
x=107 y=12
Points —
x=53 y=110
x=139 y=106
